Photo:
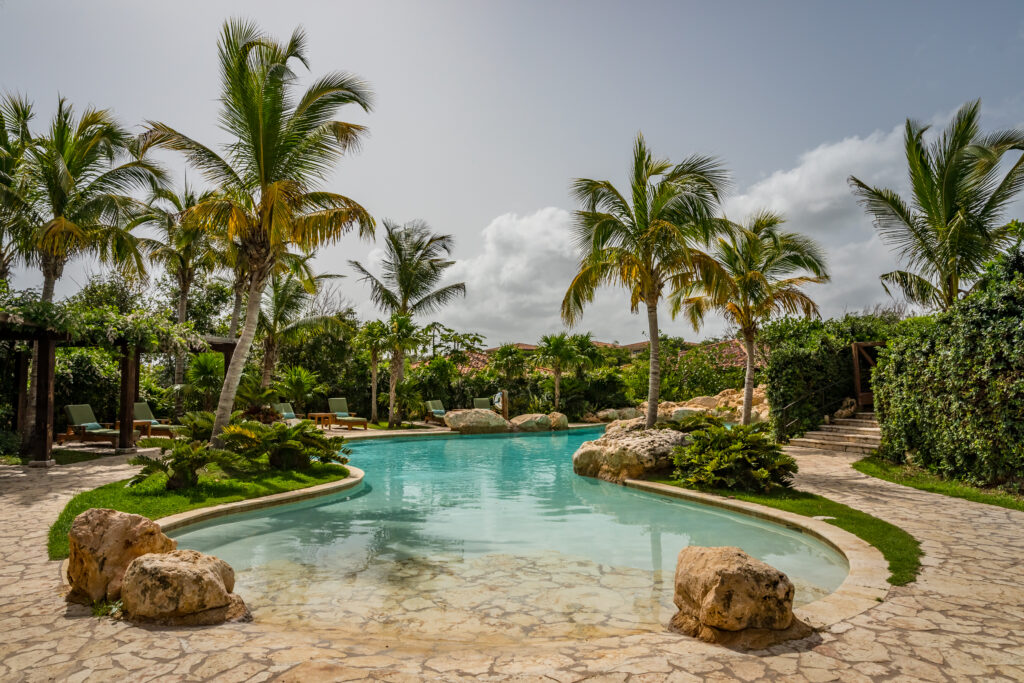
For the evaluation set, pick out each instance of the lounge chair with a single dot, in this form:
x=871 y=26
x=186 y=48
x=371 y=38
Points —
x=82 y=426
x=482 y=403
x=159 y=427
x=342 y=417
x=287 y=412
x=339 y=406
x=435 y=412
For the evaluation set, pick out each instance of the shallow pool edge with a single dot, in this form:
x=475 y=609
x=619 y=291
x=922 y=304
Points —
x=866 y=584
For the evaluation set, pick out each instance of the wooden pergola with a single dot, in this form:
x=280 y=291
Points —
x=46 y=342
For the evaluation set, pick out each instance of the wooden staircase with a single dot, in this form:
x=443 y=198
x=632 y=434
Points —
x=857 y=434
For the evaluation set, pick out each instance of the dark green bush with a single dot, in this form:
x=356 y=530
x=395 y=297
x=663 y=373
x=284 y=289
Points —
x=949 y=390
x=742 y=458
x=810 y=365
x=286 y=447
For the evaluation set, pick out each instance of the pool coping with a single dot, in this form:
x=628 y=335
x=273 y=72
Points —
x=375 y=434
x=866 y=585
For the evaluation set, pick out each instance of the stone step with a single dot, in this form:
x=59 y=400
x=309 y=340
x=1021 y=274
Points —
x=838 y=446
x=845 y=437
x=854 y=422
x=865 y=416
x=847 y=429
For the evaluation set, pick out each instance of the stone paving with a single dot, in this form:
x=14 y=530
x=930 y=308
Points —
x=962 y=620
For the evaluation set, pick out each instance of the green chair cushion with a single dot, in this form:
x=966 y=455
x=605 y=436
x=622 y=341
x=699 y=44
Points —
x=80 y=414
x=144 y=412
x=338 y=405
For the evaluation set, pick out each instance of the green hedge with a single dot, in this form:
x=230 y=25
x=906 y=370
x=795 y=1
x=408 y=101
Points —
x=949 y=390
x=809 y=355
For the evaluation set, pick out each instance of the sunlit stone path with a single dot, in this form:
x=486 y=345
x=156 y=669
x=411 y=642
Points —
x=963 y=619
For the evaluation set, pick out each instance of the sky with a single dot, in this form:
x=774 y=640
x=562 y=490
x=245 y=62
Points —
x=485 y=111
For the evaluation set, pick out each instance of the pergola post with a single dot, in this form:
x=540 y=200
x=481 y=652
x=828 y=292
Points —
x=42 y=430
x=126 y=409
x=21 y=390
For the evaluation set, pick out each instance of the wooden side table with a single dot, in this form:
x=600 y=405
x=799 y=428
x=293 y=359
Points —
x=325 y=420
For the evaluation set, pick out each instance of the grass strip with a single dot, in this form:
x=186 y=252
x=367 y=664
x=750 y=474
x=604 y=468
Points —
x=900 y=549
x=907 y=475
x=152 y=500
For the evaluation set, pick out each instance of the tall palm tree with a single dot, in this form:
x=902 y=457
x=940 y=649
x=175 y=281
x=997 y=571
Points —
x=415 y=260
x=285 y=317
x=184 y=249
x=954 y=222
x=587 y=354
x=646 y=244
x=558 y=353
x=79 y=177
x=374 y=338
x=15 y=139
x=403 y=336
x=283 y=144
x=755 y=280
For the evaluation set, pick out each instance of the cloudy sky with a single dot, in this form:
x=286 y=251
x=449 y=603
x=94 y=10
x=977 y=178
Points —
x=485 y=111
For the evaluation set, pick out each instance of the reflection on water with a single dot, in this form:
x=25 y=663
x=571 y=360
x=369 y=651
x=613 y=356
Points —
x=463 y=535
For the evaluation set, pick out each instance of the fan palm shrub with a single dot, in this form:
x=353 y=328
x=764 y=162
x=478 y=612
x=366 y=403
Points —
x=299 y=386
x=282 y=144
x=754 y=280
x=953 y=223
x=648 y=242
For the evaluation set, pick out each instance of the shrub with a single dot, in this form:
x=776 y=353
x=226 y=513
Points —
x=742 y=458
x=810 y=365
x=180 y=460
x=949 y=391
x=286 y=447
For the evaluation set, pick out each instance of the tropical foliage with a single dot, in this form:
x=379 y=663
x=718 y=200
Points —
x=761 y=271
x=653 y=242
x=740 y=458
x=954 y=222
x=286 y=447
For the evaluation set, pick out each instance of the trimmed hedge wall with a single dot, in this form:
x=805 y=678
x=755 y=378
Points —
x=949 y=390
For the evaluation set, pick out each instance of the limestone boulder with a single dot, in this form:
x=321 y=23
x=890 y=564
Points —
x=182 y=587
x=627 y=452
x=476 y=421
x=559 y=421
x=102 y=543
x=726 y=596
x=628 y=413
x=531 y=422
x=607 y=415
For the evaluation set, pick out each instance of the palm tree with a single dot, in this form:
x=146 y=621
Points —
x=374 y=338
x=282 y=146
x=649 y=244
x=587 y=354
x=755 y=280
x=557 y=353
x=415 y=260
x=510 y=361
x=205 y=377
x=299 y=386
x=184 y=249
x=953 y=224
x=285 y=317
x=15 y=138
x=403 y=336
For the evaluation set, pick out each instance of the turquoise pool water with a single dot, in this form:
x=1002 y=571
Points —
x=463 y=522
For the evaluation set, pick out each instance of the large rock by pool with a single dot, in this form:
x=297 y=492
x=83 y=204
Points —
x=627 y=451
x=102 y=543
x=726 y=596
x=476 y=421
x=532 y=422
x=182 y=588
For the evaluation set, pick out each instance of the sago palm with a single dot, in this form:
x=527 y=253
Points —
x=757 y=278
x=373 y=338
x=282 y=146
x=558 y=353
x=645 y=243
x=955 y=220
x=185 y=250
x=285 y=316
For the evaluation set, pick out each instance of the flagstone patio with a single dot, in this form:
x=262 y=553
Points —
x=962 y=619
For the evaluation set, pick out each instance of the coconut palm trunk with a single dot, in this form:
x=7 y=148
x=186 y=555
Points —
x=748 y=382
x=269 y=361
x=373 y=388
x=233 y=373
x=236 y=311
x=397 y=359
x=179 y=358
x=558 y=386
x=654 y=376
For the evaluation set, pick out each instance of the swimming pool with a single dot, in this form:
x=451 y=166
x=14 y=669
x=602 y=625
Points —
x=454 y=537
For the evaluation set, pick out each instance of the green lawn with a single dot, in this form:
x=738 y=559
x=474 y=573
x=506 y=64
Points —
x=900 y=549
x=151 y=499
x=908 y=475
